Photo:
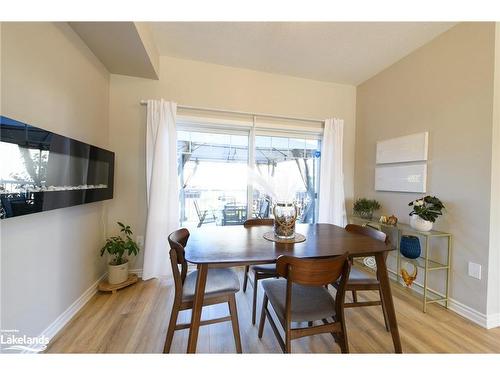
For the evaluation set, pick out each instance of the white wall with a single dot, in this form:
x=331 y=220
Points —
x=446 y=88
x=50 y=79
x=214 y=86
x=493 y=308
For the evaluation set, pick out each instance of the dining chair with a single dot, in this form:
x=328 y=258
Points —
x=221 y=287
x=261 y=271
x=303 y=298
x=358 y=280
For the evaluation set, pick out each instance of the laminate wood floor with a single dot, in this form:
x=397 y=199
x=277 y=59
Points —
x=135 y=320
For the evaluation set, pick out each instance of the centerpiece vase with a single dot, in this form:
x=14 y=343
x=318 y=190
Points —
x=285 y=216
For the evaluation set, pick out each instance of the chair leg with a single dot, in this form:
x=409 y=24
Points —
x=234 y=321
x=354 y=296
x=171 y=328
x=288 y=340
x=263 y=316
x=386 y=321
x=254 y=303
x=343 y=342
x=245 y=278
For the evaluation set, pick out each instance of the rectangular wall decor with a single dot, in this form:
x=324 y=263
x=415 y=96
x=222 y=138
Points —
x=403 y=149
x=409 y=178
x=42 y=171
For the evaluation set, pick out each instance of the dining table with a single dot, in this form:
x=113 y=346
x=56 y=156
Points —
x=231 y=246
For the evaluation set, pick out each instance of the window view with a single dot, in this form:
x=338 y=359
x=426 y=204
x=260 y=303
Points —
x=291 y=166
x=213 y=178
x=213 y=175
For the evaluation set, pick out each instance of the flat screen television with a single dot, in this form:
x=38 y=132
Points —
x=41 y=170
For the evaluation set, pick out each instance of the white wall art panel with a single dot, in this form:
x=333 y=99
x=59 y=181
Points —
x=411 y=178
x=403 y=149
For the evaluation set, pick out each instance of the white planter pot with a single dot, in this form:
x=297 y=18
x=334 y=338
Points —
x=416 y=222
x=117 y=274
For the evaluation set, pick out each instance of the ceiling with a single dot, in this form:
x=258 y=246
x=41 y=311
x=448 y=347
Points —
x=123 y=47
x=342 y=52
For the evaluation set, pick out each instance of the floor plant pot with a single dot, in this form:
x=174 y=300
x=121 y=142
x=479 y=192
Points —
x=117 y=274
x=416 y=222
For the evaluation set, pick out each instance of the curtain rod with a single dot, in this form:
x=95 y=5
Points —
x=145 y=102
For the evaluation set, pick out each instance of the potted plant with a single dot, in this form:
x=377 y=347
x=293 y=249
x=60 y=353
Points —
x=364 y=207
x=425 y=212
x=119 y=247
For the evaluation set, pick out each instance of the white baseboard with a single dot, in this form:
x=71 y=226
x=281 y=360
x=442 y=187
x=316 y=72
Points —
x=53 y=329
x=137 y=271
x=493 y=321
x=468 y=313
x=461 y=309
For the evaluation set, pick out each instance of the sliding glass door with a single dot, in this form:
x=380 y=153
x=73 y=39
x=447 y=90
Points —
x=214 y=166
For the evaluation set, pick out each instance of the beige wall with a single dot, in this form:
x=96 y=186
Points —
x=50 y=79
x=446 y=88
x=208 y=85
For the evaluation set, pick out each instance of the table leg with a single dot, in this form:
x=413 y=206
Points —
x=199 y=293
x=383 y=278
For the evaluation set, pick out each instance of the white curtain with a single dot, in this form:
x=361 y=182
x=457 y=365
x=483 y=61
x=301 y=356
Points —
x=162 y=187
x=331 y=189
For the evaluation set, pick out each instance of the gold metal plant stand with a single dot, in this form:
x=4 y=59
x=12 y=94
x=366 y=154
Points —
x=424 y=261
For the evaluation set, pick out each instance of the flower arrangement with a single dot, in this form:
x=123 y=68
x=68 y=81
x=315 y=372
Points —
x=364 y=207
x=427 y=208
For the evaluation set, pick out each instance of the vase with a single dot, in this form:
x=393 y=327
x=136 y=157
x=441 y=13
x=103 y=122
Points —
x=368 y=215
x=416 y=222
x=285 y=215
x=117 y=274
x=410 y=247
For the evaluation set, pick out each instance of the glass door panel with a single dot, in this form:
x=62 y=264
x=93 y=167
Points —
x=291 y=166
x=213 y=178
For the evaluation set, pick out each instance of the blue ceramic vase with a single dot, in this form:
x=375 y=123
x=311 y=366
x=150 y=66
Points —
x=410 y=247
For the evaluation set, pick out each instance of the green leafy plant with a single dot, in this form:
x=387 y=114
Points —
x=428 y=208
x=117 y=246
x=365 y=207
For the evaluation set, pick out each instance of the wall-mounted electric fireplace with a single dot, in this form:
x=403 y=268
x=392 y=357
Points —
x=41 y=170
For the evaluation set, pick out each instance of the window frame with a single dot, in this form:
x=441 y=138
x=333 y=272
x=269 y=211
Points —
x=252 y=129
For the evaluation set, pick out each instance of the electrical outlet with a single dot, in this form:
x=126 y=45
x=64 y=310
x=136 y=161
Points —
x=140 y=241
x=475 y=270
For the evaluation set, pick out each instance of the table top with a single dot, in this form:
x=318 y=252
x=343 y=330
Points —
x=237 y=244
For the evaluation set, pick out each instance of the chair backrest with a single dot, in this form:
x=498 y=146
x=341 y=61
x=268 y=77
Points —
x=257 y=222
x=367 y=231
x=313 y=272
x=178 y=241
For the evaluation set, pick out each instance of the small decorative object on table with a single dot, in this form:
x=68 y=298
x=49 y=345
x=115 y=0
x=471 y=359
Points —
x=425 y=212
x=407 y=277
x=410 y=247
x=391 y=220
x=285 y=216
x=116 y=246
x=364 y=208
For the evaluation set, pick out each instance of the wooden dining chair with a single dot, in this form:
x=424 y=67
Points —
x=359 y=280
x=221 y=287
x=303 y=298
x=261 y=271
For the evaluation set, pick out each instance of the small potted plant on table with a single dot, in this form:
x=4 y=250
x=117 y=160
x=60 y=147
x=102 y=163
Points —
x=117 y=246
x=364 y=208
x=425 y=212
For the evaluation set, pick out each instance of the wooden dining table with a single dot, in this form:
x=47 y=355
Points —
x=238 y=246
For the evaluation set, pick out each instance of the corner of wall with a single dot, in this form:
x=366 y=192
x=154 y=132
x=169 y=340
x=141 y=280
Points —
x=493 y=297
